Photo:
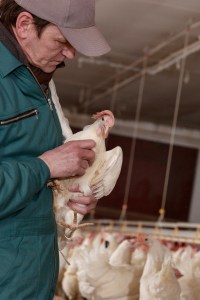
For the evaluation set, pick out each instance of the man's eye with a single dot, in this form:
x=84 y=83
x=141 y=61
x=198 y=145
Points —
x=60 y=43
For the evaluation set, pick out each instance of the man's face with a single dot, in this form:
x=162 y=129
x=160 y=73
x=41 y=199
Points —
x=48 y=50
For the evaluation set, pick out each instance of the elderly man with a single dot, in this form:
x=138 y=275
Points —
x=36 y=36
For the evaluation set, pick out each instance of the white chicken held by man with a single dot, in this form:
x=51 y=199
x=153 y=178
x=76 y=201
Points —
x=99 y=179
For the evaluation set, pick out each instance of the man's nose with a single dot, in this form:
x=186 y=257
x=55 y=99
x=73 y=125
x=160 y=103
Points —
x=69 y=52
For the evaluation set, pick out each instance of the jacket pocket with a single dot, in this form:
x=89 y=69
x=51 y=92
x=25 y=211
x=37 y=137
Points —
x=24 y=115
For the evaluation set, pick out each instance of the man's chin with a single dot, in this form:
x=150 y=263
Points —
x=49 y=69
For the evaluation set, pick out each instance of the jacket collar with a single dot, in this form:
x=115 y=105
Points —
x=8 y=63
x=12 y=55
x=7 y=37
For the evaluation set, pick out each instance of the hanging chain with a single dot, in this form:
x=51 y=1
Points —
x=174 y=124
x=135 y=133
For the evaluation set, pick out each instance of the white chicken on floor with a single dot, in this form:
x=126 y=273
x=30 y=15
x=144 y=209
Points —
x=67 y=279
x=104 y=240
x=158 y=281
x=139 y=257
x=189 y=265
x=103 y=275
x=70 y=281
x=99 y=179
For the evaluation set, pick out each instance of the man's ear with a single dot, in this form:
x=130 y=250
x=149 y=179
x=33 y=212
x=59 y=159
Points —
x=24 y=20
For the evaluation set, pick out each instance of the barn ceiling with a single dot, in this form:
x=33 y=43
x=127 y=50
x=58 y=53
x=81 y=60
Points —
x=152 y=73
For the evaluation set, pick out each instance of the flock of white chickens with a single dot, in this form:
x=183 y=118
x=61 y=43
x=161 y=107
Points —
x=112 y=266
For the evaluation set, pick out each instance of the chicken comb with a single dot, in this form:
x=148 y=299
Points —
x=102 y=113
x=109 y=117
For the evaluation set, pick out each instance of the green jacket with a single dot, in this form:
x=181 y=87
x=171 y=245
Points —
x=29 y=126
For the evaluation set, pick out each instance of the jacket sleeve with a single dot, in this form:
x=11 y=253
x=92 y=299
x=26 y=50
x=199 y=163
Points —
x=19 y=182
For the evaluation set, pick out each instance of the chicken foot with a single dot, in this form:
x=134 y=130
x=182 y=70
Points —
x=55 y=185
x=74 y=226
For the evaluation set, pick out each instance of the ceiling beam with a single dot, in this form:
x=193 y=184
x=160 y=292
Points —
x=135 y=71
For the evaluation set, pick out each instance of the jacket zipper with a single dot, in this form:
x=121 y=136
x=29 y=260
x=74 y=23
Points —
x=48 y=100
x=21 y=116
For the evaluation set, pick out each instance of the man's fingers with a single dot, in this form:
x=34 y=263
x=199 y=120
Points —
x=81 y=208
x=82 y=204
x=88 y=155
x=87 y=152
x=87 y=144
x=84 y=164
x=85 y=200
x=74 y=188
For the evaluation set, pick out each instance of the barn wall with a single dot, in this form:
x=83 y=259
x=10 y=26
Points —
x=147 y=181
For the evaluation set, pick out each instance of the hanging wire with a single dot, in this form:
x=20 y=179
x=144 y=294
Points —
x=174 y=124
x=133 y=144
x=114 y=91
x=114 y=96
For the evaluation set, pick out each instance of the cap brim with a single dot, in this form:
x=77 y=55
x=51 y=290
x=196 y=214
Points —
x=88 y=41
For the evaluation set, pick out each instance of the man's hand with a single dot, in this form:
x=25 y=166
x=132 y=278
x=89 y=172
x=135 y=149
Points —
x=79 y=203
x=70 y=159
